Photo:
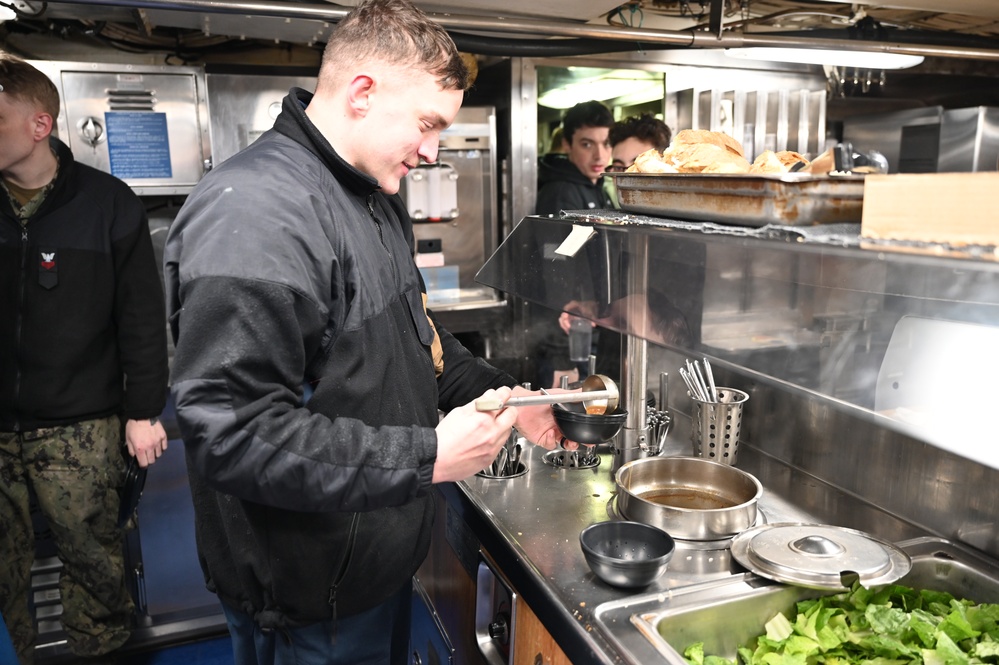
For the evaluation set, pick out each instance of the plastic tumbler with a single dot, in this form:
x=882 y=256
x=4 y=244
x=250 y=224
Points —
x=580 y=339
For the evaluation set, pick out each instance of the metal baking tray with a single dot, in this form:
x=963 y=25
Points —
x=796 y=199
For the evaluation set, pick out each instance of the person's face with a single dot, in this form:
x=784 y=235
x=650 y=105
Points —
x=407 y=112
x=624 y=153
x=19 y=131
x=590 y=151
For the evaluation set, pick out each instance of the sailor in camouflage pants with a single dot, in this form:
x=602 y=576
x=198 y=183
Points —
x=75 y=472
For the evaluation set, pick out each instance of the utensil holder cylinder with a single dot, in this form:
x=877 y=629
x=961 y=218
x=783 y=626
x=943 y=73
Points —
x=715 y=426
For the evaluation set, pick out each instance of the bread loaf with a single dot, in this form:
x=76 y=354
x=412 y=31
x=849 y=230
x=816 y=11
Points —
x=711 y=158
x=696 y=136
x=651 y=161
x=776 y=162
x=701 y=151
x=789 y=158
x=766 y=162
x=824 y=163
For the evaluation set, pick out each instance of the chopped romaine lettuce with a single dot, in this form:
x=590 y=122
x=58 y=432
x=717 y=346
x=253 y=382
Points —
x=889 y=625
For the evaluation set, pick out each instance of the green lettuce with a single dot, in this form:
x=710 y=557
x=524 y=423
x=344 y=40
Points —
x=888 y=625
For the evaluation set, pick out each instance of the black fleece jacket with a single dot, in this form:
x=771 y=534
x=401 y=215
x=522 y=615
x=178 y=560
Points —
x=288 y=266
x=562 y=186
x=82 y=330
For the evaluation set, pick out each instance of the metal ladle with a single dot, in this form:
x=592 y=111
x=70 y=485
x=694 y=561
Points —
x=599 y=396
x=558 y=405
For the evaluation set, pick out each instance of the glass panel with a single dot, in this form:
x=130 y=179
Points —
x=908 y=336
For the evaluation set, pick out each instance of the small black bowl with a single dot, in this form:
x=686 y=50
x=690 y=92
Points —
x=587 y=428
x=627 y=554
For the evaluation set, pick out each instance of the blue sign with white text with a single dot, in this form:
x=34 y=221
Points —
x=138 y=145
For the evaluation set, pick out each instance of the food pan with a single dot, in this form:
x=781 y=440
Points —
x=796 y=199
x=691 y=498
x=728 y=613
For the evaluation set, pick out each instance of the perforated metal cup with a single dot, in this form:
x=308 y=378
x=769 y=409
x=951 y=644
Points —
x=715 y=426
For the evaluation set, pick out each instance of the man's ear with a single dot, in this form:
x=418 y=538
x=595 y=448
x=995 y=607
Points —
x=359 y=92
x=41 y=126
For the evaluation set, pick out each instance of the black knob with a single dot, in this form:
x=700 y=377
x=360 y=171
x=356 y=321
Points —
x=499 y=629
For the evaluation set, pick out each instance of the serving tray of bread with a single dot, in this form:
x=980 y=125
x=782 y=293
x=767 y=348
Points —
x=705 y=176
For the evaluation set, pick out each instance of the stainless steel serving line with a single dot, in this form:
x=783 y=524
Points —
x=806 y=321
x=530 y=525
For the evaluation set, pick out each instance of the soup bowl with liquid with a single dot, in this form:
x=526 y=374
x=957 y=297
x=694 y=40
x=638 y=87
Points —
x=691 y=498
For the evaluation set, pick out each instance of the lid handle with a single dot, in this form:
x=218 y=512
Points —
x=817 y=546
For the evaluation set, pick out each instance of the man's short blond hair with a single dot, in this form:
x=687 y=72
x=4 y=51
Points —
x=25 y=83
x=394 y=32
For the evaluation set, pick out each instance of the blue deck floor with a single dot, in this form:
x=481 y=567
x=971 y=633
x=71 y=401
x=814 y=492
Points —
x=216 y=651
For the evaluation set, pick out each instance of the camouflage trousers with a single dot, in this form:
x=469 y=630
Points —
x=75 y=472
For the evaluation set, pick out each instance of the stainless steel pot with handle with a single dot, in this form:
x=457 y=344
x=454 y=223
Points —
x=691 y=498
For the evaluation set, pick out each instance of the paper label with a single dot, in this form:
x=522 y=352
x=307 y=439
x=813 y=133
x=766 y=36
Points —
x=577 y=238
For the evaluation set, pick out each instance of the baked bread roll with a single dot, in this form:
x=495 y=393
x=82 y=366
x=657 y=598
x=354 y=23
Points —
x=706 y=158
x=695 y=136
x=780 y=162
x=766 y=162
x=650 y=161
x=695 y=151
x=789 y=158
x=824 y=163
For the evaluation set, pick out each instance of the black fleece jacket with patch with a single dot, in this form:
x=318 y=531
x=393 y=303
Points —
x=82 y=329
x=288 y=266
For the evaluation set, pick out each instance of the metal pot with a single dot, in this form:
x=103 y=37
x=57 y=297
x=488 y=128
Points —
x=690 y=498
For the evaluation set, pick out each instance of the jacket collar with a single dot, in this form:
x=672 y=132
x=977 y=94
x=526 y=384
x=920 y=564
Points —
x=552 y=168
x=293 y=123
x=64 y=172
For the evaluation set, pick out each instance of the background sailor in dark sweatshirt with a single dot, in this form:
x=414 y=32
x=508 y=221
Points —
x=573 y=181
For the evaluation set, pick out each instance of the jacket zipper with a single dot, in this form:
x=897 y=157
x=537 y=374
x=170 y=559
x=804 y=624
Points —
x=342 y=572
x=22 y=276
x=378 y=225
x=381 y=237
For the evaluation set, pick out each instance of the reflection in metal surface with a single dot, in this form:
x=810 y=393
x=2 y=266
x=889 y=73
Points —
x=802 y=306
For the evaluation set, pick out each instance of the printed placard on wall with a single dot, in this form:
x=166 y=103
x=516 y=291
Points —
x=138 y=145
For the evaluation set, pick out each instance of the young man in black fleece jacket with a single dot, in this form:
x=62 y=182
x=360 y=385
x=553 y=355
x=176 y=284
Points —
x=573 y=181
x=292 y=263
x=83 y=359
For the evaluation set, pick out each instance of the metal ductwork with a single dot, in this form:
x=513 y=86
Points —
x=589 y=36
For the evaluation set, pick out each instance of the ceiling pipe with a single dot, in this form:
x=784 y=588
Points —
x=523 y=26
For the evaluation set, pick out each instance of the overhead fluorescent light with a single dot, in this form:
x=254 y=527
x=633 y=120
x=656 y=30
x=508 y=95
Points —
x=635 y=90
x=835 y=58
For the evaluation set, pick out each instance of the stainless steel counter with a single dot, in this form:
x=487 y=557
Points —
x=530 y=525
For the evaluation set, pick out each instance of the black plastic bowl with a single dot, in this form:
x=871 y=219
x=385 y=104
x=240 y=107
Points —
x=587 y=428
x=626 y=554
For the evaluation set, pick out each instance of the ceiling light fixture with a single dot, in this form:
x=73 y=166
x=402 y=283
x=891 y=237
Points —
x=6 y=13
x=624 y=86
x=836 y=58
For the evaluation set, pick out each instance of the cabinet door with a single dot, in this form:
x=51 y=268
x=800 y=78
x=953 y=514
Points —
x=532 y=644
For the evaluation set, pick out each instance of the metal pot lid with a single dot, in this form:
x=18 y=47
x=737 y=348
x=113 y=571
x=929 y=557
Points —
x=819 y=556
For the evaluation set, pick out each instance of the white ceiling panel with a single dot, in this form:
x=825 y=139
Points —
x=984 y=8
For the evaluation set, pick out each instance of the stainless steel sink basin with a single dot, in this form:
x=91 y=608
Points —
x=728 y=613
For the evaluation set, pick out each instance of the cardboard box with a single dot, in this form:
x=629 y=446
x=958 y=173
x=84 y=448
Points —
x=956 y=209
